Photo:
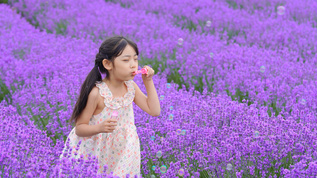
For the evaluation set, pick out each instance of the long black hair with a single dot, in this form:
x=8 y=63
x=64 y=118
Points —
x=109 y=49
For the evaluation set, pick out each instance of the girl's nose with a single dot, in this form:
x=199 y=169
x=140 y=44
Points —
x=134 y=65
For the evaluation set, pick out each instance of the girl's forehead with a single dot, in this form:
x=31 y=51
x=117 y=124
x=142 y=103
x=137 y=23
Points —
x=128 y=50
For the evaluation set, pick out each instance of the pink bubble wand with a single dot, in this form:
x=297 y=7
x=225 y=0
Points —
x=142 y=71
x=114 y=115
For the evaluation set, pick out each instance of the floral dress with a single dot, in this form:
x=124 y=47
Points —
x=120 y=150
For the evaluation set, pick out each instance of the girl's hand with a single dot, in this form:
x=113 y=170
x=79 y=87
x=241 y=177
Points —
x=149 y=75
x=107 y=126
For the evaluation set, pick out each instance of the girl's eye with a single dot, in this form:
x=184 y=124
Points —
x=125 y=60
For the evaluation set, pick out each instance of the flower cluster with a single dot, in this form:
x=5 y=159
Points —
x=262 y=59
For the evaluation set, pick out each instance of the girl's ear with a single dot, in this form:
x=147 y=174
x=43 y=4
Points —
x=107 y=64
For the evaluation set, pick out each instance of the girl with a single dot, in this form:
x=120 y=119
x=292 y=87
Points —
x=114 y=142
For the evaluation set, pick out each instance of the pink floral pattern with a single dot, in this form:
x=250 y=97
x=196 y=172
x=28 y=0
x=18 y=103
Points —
x=120 y=150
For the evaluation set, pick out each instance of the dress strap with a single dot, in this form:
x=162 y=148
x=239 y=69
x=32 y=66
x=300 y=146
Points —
x=118 y=102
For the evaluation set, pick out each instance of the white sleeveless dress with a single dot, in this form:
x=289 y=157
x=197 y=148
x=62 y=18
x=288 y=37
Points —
x=120 y=150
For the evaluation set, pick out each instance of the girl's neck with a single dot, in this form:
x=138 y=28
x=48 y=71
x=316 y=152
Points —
x=114 y=83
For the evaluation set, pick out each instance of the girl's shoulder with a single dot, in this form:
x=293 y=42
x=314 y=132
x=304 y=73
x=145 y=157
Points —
x=96 y=92
x=132 y=83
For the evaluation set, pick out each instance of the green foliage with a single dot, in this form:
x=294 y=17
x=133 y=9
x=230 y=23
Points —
x=184 y=23
x=232 y=4
x=125 y=5
x=41 y=120
x=7 y=91
x=61 y=27
x=4 y=1
x=4 y=92
x=19 y=53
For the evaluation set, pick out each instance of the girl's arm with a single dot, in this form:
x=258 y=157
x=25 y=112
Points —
x=83 y=129
x=150 y=103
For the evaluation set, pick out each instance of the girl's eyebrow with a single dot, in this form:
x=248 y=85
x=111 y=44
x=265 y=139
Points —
x=129 y=55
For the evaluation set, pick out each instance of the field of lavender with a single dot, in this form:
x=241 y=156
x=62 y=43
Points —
x=237 y=82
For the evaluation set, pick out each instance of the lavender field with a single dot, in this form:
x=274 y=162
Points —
x=237 y=81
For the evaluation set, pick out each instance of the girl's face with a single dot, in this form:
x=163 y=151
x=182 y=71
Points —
x=125 y=64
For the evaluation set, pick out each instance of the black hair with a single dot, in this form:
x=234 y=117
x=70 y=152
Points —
x=109 y=50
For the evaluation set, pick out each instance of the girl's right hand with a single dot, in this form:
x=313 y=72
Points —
x=107 y=126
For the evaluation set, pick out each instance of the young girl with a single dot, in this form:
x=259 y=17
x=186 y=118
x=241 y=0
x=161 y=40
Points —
x=114 y=142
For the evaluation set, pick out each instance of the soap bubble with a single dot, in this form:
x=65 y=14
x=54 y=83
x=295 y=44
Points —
x=280 y=10
x=163 y=169
x=152 y=137
x=171 y=108
x=208 y=23
x=256 y=134
x=211 y=55
x=229 y=167
x=162 y=138
x=159 y=154
x=180 y=41
x=153 y=168
x=303 y=101
x=152 y=176
x=162 y=97
x=178 y=131
x=170 y=117
x=181 y=172
x=183 y=132
x=262 y=69
x=168 y=85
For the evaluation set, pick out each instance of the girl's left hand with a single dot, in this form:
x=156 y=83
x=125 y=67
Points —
x=149 y=75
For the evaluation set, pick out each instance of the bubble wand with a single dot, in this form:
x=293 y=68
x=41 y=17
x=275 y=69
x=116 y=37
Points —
x=142 y=71
x=114 y=115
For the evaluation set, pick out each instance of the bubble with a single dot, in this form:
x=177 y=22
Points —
x=180 y=41
x=168 y=85
x=163 y=169
x=170 y=117
x=162 y=97
x=153 y=168
x=171 y=108
x=208 y=23
x=183 y=132
x=152 y=137
x=181 y=172
x=178 y=131
x=280 y=10
x=159 y=154
x=162 y=138
x=262 y=69
x=229 y=167
x=256 y=134
x=303 y=101
x=152 y=176
x=211 y=55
